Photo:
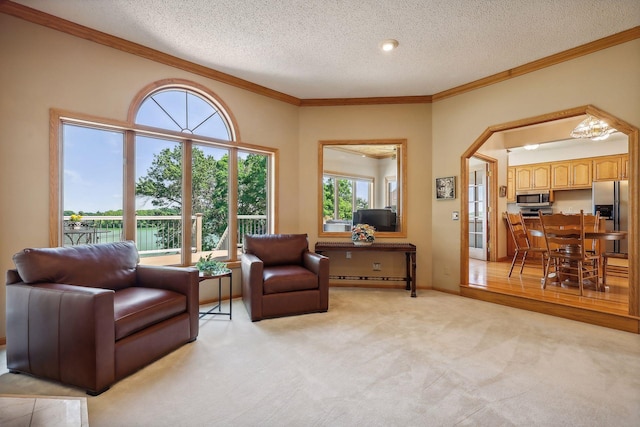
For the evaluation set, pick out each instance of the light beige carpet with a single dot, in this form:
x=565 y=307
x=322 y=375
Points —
x=380 y=358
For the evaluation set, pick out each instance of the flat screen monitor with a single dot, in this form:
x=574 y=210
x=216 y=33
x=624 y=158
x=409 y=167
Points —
x=380 y=219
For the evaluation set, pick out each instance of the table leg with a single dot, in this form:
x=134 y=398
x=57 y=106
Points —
x=408 y=271
x=212 y=310
x=411 y=272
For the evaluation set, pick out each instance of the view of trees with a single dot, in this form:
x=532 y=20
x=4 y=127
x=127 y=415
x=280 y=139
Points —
x=162 y=184
x=210 y=188
x=344 y=198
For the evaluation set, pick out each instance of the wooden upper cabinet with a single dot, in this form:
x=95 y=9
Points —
x=561 y=175
x=571 y=174
x=533 y=177
x=541 y=175
x=581 y=176
x=511 y=185
x=523 y=178
x=607 y=168
x=567 y=174
x=625 y=166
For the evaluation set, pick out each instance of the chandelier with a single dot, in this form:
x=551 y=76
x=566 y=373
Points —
x=593 y=128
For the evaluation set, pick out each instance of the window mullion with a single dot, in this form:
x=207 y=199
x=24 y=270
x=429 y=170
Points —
x=336 y=198
x=129 y=202
x=232 y=195
x=187 y=201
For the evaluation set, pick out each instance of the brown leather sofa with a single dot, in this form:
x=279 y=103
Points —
x=90 y=315
x=281 y=277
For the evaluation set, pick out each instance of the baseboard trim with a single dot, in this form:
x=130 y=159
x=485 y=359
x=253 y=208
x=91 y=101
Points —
x=620 y=322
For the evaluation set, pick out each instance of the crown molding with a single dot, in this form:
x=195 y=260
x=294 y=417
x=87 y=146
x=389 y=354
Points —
x=37 y=17
x=567 y=55
x=323 y=102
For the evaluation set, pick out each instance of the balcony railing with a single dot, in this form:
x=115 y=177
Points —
x=159 y=234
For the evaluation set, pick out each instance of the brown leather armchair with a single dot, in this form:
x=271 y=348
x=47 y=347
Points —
x=281 y=277
x=89 y=315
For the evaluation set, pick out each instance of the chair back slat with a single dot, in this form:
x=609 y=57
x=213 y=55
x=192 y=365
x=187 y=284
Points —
x=573 y=262
x=518 y=230
x=563 y=230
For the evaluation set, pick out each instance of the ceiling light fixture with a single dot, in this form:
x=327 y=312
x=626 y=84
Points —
x=593 y=128
x=389 y=45
x=530 y=147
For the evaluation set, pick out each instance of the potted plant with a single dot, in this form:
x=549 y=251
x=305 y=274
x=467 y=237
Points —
x=210 y=267
x=75 y=221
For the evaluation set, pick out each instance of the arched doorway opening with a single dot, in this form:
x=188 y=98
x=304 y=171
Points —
x=573 y=308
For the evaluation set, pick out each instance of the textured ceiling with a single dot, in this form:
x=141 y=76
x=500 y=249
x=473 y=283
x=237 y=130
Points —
x=329 y=48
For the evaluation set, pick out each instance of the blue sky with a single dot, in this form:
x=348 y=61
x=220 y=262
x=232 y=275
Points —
x=93 y=158
x=93 y=162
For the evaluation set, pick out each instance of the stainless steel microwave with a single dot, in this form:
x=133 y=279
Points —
x=533 y=198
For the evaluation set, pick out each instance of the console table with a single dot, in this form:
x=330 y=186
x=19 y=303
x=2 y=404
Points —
x=408 y=249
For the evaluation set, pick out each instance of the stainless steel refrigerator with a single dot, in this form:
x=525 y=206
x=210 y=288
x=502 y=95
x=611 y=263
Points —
x=611 y=199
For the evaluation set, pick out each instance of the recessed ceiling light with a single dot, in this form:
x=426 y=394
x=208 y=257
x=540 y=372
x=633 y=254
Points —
x=530 y=147
x=388 y=45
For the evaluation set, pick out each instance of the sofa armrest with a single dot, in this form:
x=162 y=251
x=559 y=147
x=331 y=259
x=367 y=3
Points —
x=63 y=332
x=252 y=270
x=319 y=264
x=13 y=276
x=177 y=279
x=316 y=263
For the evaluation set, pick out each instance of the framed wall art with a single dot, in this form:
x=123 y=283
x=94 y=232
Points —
x=446 y=188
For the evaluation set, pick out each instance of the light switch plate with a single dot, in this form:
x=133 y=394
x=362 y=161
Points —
x=455 y=215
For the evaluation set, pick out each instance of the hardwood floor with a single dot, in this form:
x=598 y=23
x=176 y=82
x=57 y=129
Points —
x=489 y=281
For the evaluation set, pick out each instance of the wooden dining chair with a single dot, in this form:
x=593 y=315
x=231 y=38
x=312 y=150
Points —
x=618 y=269
x=592 y=223
x=522 y=241
x=573 y=262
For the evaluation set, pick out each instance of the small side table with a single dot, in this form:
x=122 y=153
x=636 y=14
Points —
x=218 y=307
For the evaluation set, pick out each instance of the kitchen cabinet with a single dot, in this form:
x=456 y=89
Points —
x=511 y=187
x=571 y=174
x=625 y=166
x=566 y=175
x=533 y=177
x=608 y=168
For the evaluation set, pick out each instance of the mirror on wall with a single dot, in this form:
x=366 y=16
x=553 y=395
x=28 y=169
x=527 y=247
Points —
x=362 y=182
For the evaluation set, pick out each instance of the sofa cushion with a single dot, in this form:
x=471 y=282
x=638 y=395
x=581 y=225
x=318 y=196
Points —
x=104 y=265
x=288 y=278
x=137 y=308
x=277 y=249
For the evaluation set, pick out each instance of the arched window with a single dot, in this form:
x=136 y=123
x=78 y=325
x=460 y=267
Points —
x=187 y=189
x=183 y=110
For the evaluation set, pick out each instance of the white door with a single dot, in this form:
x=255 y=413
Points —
x=478 y=191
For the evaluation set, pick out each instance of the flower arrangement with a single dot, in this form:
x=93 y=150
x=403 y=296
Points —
x=363 y=234
x=208 y=265
x=75 y=218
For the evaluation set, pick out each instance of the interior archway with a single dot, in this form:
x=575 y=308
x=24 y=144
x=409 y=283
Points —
x=576 y=310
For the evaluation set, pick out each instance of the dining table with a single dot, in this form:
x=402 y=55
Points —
x=606 y=235
x=597 y=235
